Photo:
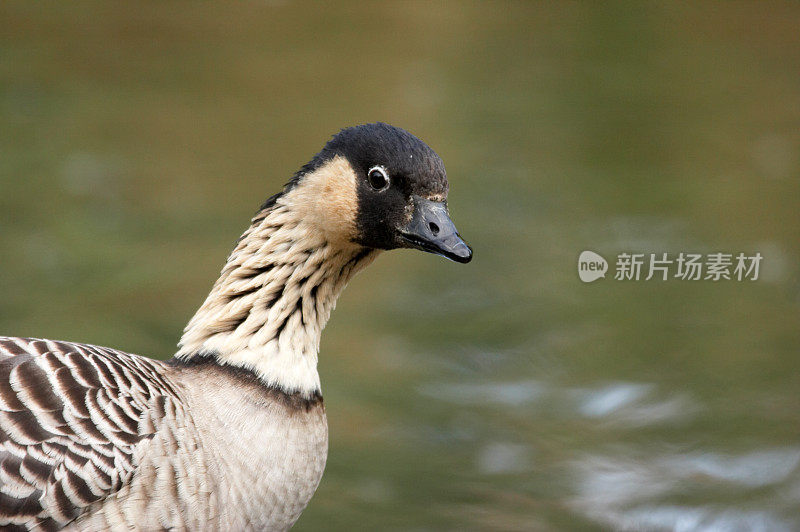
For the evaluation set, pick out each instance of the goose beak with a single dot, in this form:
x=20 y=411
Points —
x=432 y=230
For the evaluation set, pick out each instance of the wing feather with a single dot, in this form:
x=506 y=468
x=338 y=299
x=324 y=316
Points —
x=71 y=417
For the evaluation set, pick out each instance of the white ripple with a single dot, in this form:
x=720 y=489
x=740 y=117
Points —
x=625 y=494
x=755 y=469
x=515 y=393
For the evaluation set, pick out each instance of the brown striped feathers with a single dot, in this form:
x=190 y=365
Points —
x=71 y=416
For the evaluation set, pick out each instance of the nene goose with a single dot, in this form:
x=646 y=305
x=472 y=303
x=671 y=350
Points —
x=230 y=434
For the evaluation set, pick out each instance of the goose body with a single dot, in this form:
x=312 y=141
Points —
x=230 y=434
x=109 y=439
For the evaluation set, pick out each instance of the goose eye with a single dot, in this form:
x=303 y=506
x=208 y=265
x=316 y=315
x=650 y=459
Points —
x=377 y=178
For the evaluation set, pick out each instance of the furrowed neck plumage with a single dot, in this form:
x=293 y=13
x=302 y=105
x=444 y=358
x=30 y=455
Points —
x=276 y=292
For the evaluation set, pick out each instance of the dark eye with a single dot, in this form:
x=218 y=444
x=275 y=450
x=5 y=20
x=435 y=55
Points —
x=378 y=179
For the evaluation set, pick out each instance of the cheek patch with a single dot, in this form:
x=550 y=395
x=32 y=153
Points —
x=328 y=196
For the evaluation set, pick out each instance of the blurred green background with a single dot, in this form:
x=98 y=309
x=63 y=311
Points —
x=137 y=139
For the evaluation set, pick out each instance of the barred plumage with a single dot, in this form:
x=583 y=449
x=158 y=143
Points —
x=71 y=416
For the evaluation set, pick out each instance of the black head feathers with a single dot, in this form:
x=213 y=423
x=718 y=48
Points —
x=404 y=155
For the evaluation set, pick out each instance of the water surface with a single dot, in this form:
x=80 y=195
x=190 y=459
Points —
x=136 y=141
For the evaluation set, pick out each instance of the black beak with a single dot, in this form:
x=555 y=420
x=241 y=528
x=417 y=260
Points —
x=431 y=230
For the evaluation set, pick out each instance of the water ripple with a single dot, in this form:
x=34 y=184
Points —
x=633 y=495
x=507 y=394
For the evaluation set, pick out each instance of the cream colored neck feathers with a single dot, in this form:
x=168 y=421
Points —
x=277 y=290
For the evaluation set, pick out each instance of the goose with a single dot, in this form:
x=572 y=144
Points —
x=231 y=432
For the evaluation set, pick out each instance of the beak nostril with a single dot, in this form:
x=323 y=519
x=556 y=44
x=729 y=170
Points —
x=434 y=228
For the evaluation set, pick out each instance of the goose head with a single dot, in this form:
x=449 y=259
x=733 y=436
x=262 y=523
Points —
x=380 y=187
